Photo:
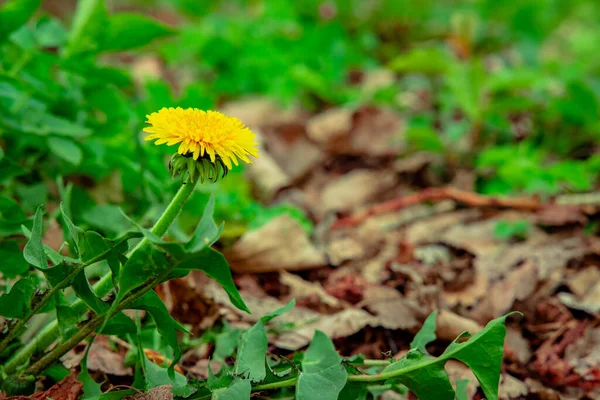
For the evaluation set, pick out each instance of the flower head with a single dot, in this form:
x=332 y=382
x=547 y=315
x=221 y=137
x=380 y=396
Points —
x=203 y=134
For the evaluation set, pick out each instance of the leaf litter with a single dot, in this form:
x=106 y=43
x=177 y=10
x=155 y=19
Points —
x=391 y=243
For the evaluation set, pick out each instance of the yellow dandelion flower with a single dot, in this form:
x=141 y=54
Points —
x=203 y=134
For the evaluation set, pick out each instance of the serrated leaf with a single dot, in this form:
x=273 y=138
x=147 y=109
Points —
x=165 y=324
x=250 y=361
x=13 y=263
x=128 y=31
x=17 y=302
x=207 y=232
x=323 y=376
x=426 y=335
x=67 y=321
x=425 y=376
x=239 y=389
x=76 y=233
x=216 y=267
x=34 y=251
x=143 y=265
x=90 y=387
x=14 y=14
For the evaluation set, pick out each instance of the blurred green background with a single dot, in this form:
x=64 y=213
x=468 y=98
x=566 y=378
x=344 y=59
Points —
x=507 y=89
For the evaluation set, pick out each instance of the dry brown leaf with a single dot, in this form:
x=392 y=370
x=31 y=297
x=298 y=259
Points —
x=260 y=112
x=478 y=237
x=433 y=229
x=550 y=254
x=391 y=308
x=163 y=392
x=519 y=284
x=377 y=132
x=281 y=244
x=200 y=369
x=354 y=189
x=583 y=280
x=344 y=249
x=458 y=371
x=584 y=354
x=299 y=289
x=451 y=325
x=543 y=392
x=590 y=302
x=100 y=358
x=293 y=152
x=511 y=388
x=67 y=389
x=329 y=126
x=468 y=295
x=266 y=175
x=341 y=324
x=518 y=344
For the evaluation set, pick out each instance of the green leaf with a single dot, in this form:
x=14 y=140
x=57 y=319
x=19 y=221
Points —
x=15 y=14
x=82 y=289
x=34 y=251
x=215 y=266
x=128 y=31
x=425 y=376
x=461 y=389
x=424 y=138
x=76 y=233
x=66 y=149
x=90 y=387
x=166 y=325
x=17 y=302
x=250 y=361
x=13 y=263
x=67 y=321
x=426 y=335
x=88 y=28
x=143 y=265
x=239 y=389
x=428 y=60
x=323 y=376
x=11 y=217
x=207 y=232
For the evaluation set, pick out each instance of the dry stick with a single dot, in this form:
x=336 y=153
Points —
x=438 y=194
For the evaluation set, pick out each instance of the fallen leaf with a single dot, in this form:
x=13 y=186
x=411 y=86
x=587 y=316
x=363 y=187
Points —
x=300 y=288
x=353 y=189
x=458 y=371
x=377 y=132
x=519 y=284
x=511 y=388
x=450 y=325
x=260 y=112
x=330 y=126
x=267 y=177
x=281 y=244
x=550 y=254
x=392 y=309
x=344 y=249
x=341 y=324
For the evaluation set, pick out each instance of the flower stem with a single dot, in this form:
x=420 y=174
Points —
x=352 y=378
x=102 y=287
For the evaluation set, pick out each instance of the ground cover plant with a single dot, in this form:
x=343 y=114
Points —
x=393 y=200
